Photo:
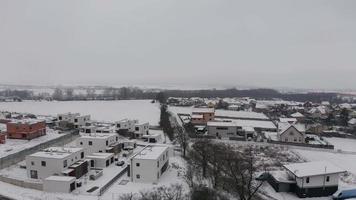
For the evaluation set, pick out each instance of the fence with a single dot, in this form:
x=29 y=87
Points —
x=320 y=146
x=14 y=158
x=22 y=183
x=112 y=181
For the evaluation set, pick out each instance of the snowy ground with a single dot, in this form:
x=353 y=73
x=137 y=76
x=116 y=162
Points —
x=343 y=144
x=14 y=145
x=143 y=110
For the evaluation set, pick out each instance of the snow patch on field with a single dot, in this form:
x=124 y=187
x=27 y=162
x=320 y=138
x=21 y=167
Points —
x=143 y=110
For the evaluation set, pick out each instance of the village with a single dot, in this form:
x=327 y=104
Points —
x=72 y=154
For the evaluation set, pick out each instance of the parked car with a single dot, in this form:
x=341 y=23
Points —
x=344 y=194
x=120 y=163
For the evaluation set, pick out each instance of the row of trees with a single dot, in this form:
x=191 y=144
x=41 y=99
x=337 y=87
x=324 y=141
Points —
x=112 y=93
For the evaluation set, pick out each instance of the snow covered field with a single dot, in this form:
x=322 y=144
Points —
x=142 y=110
x=343 y=144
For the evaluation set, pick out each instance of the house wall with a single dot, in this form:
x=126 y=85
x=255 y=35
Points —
x=101 y=162
x=2 y=138
x=318 y=181
x=206 y=117
x=150 y=170
x=57 y=186
x=26 y=131
x=53 y=165
x=98 y=144
x=222 y=131
x=142 y=129
x=292 y=135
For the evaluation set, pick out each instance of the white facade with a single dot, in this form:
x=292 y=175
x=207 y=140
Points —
x=74 y=118
x=141 y=129
x=294 y=133
x=314 y=174
x=148 y=165
x=222 y=129
x=60 y=184
x=52 y=161
x=126 y=124
x=100 y=160
x=96 y=143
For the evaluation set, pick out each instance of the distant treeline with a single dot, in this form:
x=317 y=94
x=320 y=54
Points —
x=110 y=93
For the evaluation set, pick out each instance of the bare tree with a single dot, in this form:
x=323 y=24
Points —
x=240 y=168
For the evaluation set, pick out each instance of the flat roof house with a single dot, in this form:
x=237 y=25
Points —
x=60 y=184
x=100 y=160
x=74 y=118
x=141 y=129
x=99 y=143
x=201 y=116
x=26 y=129
x=126 y=125
x=222 y=129
x=148 y=165
x=56 y=161
x=315 y=179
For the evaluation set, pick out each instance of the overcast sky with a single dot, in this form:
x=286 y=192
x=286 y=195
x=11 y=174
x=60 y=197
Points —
x=265 y=43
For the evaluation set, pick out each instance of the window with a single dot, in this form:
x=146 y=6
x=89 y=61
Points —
x=137 y=164
x=60 y=118
x=75 y=120
x=118 y=126
x=33 y=174
x=117 y=139
x=43 y=163
x=137 y=128
x=90 y=143
x=295 y=139
x=138 y=176
x=82 y=155
x=65 y=163
x=308 y=180
x=157 y=163
x=286 y=140
x=32 y=163
x=107 y=163
x=107 y=143
x=328 y=179
x=81 y=143
x=221 y=128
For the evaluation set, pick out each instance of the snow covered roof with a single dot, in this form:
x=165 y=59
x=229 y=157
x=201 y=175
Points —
x=244 y=123
x=289 y=120
x=313 y=169
x=197 y=116
x=150 y=152
x=28 y=121
x=221 y=123
x=100 y=156
x=240 y=114
x=56 y=152
x=203 y=110
x=60 y=178
x=297 y=115
x=98 y=136
x=352 y=121
x=283 y=126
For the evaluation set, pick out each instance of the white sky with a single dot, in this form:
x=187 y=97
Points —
x=266 y=43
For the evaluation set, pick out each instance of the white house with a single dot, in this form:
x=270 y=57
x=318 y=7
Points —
x=126 y=125
x=100 y=160
x=314 y=179
x=141 y=129
x=56 y=161
x=152 y=138
x=59 y=184
x=148 y=165
x=97 y=143
x=294 y=133
x=74 y=118
x=222 y=129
